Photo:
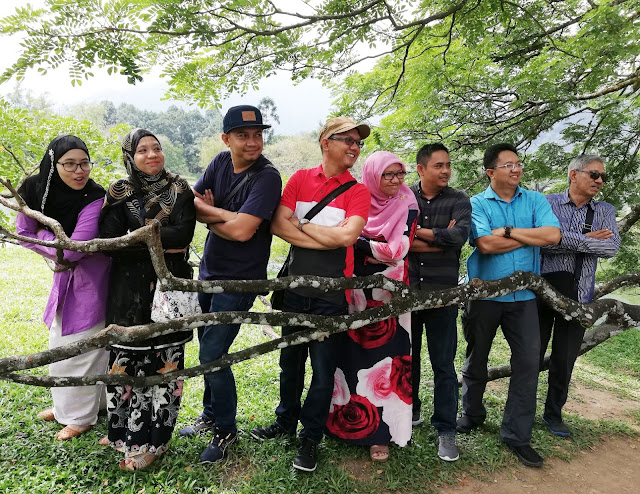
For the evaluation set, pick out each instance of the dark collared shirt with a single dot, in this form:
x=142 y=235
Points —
x=432 y=270
x=562 y=257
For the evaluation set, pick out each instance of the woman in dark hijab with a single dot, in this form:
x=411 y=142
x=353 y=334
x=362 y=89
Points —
x=75 y=310
x=141 y=420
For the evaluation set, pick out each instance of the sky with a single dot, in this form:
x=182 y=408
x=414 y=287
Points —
x=301 y=108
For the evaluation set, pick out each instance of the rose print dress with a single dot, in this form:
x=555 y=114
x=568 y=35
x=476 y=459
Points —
x=371 y=401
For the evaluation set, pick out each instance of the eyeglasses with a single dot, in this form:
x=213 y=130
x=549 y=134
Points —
x=511 y=166
x=349 y=141
x=70 y=166
x=388 y=176
x=595 y=174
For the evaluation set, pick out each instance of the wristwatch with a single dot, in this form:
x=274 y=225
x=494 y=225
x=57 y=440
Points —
x=507 y=231
x=302 y=222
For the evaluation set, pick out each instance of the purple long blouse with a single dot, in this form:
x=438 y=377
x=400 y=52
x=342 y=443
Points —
x=78 y=295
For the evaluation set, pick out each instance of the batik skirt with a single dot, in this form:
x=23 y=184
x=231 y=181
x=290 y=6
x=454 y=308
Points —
x=141 y=420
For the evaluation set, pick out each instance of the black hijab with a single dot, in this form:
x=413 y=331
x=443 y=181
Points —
x=46 y=191
x=151 y=196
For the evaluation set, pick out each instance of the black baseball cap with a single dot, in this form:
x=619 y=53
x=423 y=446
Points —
x=242 y=116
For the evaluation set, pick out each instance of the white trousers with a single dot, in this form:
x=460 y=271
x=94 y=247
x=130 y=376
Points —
x=77 y=405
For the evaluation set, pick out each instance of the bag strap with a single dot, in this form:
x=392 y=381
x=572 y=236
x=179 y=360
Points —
x=248 y=176
x=588 y=224
x=318 y=207
x=328 y=198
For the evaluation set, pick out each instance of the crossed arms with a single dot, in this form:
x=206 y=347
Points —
x=313 y=236
x=229 y=225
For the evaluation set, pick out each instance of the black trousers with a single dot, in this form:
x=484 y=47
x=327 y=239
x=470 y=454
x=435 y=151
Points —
x=519 y=323
x=567 y=339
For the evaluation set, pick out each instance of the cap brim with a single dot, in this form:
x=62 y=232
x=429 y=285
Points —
x=262 y=126
x=363 y=129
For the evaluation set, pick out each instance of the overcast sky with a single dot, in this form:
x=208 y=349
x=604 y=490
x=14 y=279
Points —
x=301 y=107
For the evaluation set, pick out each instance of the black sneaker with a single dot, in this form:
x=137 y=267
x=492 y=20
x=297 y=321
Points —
x=199 y=426
x=272 y=431
x=464 y=425
x=416 y=419
x=557 y=427
x=306 y=460
x=527 y=455
x=218 y=446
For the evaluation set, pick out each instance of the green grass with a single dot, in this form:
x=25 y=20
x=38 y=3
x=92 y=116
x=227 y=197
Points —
x=31 y=461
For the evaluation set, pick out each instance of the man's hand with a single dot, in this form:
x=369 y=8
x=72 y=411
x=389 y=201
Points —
x=600 y=234
x=208 y=197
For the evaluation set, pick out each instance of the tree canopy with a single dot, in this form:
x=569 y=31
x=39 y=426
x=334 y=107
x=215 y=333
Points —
x=555 y=78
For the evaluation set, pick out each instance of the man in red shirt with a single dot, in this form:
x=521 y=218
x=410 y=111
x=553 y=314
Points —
x=322 y=246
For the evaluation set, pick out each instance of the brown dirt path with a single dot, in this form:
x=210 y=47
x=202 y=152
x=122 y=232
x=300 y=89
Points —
x=610 y=467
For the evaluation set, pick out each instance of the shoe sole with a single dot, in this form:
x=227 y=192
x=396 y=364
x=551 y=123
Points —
x=201 y=432
x=305 y=469
x=464 y=430
x=258 y=437
x=526 y=462
x=224 y=453
x=448 y=458
x=556 y=433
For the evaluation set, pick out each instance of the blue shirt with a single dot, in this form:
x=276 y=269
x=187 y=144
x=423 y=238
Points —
x=527 y=209
x=562 y=257
x=259 y=196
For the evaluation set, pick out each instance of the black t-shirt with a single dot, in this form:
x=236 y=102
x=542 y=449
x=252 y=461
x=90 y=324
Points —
x=259 y=196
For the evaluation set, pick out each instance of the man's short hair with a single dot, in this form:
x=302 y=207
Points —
x=425 y=152
x=581 y=161
x=491 y=154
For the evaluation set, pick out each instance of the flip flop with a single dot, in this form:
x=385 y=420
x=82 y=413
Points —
x=137 y=462
x=47 y=415
x=379 y=452
x=71 y=431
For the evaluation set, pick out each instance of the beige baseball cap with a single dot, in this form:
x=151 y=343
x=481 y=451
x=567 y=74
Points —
x=343 y=124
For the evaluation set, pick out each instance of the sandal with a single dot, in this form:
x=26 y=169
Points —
x=137 y=462
x=379 y=452
x=47 y=415
x=71 y=431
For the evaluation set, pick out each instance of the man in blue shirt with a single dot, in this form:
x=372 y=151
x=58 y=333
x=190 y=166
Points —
x=236 y=198
x=508 y=226
x=570 y=266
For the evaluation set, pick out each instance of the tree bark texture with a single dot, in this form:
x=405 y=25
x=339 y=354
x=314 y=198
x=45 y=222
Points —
x=609 y=316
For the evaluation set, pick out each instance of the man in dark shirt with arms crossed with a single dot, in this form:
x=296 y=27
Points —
x=236 y=197
x=434 y=263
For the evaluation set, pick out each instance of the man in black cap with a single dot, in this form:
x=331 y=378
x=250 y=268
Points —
x=236 y=198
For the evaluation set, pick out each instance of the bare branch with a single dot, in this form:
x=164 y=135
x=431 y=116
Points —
x=625 y=224
x=623 y=315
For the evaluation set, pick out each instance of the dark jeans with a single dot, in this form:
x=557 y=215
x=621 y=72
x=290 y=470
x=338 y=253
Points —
x=442 y=340
x=567 y=339
x=519 y=323
x=220 y=400
x=313 y=414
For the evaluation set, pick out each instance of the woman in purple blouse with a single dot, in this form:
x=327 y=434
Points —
x=75 y=310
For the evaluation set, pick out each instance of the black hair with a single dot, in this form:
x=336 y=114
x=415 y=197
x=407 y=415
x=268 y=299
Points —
x=427 y=150
x=492 y=152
